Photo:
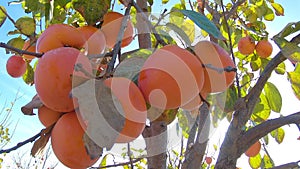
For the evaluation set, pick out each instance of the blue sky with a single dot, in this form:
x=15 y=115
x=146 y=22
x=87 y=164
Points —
x=28 y=126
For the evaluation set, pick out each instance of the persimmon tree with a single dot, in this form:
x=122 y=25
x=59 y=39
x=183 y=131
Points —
x=131 y=73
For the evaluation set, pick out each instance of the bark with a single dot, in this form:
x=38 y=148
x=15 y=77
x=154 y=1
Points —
x=196 y=150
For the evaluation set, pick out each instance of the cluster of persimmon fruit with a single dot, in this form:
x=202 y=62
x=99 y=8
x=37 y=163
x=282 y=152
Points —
x=170 y=78
x=247 y=46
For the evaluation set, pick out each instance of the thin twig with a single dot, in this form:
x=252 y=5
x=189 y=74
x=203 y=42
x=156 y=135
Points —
x=20 y=144
x=117 y=46
x=231 y=48
x=19 y=51
x=129 y=155
x=12 y=20
x=6 y=14
x=267 y=153
x=119 y=164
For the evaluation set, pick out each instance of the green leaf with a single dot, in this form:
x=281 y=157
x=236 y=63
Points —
x=261 y=110
x=16 y=43
x=279 y=11
x=289 y=49
x=2 y=15
x=183 y=123
x=28 y=76
x=177 y=17
x=150 y=2
x=255 y=161
x=280 y=69
x=273 y=96
x=144 y=53
x=267 y=162
x=289 y=29
x=103 y=161
x=278 y=134
x=181 y=33
x=92 y=10
x=204 y=23
x=188 y=27
x=294 y=78
x=36 y=7
x=269 y=15
x=164 y=1
x=26 y=25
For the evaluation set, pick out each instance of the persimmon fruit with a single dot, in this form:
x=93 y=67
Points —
x=246 y=45
x=133 y=104
x=111 y=26
x=16 y=66
x=171 y=77
x=53 y=77
x=47 y=116
x=95 y=39
x=30 y=47
x=253 y=150
x=211 y=54
x=59 y=35
x=67 y=142
x=264 y=48
x=208 y=160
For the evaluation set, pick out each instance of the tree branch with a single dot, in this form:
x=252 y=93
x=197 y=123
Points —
x=259 y=131
x=117 y=46
x=19 y=51
x=195 y=154
x=20 y=144
x=288 y=165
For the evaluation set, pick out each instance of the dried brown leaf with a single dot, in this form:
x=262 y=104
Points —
x=91 y=147
x=39 y=145
x=33 y=104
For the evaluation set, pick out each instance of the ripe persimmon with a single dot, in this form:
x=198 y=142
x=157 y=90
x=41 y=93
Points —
x=208 y=160
x=30 y=47
x=134 y=107
x=59 y=35
x=171 y=77
x=246 y=45
x=111 y=26
x=67 y=142
x=264 y=48
x=215 y=60
x=253 y=150
x=53 y=77
x=95 y=39
x=16 y=66
x=47 y=116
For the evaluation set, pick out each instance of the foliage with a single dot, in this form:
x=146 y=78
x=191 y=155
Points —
x=224 y=24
